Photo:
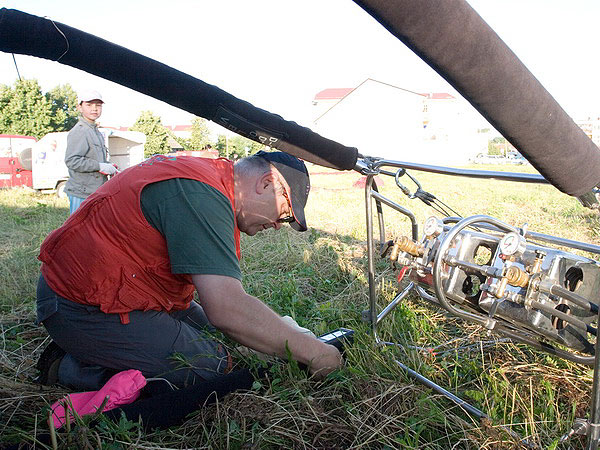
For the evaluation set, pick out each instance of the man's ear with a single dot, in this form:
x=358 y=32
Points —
x=265 y=183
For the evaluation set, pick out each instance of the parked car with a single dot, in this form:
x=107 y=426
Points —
x=490 y=159
x=517 y=159
x=125 y=148
x=40 y=165
x=15 y=160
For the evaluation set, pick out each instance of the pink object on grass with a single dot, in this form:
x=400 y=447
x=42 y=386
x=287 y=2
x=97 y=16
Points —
x=122 y=389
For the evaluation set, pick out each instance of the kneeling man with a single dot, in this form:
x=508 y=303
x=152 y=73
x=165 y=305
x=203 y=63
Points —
x=118 y=278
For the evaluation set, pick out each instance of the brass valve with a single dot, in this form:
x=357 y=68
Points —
x=513 y=276
x=404 y=244
x=516 y=277
x=537 y=264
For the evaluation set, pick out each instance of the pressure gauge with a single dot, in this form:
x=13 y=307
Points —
x=513 y=244
x=433 y=227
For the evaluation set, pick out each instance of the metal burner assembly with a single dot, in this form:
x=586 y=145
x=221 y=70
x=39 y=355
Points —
x=530 y=287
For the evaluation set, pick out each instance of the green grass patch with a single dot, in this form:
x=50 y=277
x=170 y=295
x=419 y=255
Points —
x=319 y=278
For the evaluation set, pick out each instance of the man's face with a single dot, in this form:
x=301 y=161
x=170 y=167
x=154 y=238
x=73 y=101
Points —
x=91 y=110
x=265 y=205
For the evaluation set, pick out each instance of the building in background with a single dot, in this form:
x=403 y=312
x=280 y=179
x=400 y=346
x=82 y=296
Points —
x=180 y=131
x=591 y=127
x=327 y=98
x=387 y=121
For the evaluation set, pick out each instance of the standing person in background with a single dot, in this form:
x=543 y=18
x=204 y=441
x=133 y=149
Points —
x=86 y=155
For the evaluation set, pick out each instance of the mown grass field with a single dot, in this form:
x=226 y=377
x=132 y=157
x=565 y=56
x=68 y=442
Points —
x=319 y=278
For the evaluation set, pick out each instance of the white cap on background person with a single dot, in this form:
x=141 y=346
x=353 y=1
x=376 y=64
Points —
x=87 y=95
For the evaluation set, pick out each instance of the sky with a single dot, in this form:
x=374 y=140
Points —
x=278 y=54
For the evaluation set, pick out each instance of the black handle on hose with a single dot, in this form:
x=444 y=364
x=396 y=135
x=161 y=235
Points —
x=31 y=35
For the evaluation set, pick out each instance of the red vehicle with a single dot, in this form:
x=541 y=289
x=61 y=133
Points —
x=15 y=160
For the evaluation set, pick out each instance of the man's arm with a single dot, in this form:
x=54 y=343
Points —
x=250 y=322
x=77 y=148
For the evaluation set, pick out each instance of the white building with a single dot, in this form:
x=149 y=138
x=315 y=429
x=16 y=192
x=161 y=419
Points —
x=591 y=127
x=395 y=123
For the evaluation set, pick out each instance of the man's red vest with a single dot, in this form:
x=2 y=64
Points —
x=107 y=254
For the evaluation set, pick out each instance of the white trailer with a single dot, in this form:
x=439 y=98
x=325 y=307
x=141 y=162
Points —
x=125 y=149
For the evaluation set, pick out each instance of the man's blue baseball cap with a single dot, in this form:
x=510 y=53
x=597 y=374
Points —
x=296 y=175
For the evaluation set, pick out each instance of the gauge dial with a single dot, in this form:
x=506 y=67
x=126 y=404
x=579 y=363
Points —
x=433 y=226
x=513 y=244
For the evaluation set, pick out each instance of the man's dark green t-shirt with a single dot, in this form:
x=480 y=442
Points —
x=197 y=222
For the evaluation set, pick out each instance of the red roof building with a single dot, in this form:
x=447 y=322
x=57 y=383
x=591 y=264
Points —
x=333 y=93
x=439 y=96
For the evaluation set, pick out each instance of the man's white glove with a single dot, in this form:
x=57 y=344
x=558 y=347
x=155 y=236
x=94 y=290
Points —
x=107 y=169
x=294 y=324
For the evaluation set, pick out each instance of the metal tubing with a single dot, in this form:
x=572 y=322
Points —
x=469 y=173
x=569 y=295
x=577 y=323
x=389 y=308
x=594 y=424
x=370 y=256
x=510 y=333
x=400 y=209
x=484 y=270
x=593 y=437
x=426 y=296
x=540 y=237
x=591 y=248
x=468 y=408
x=438 y=264
x=379 y=214
x=457 y=400
x=381 y=226
x=371 y=194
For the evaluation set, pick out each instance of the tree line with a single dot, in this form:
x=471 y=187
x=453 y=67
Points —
x=26 y=110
